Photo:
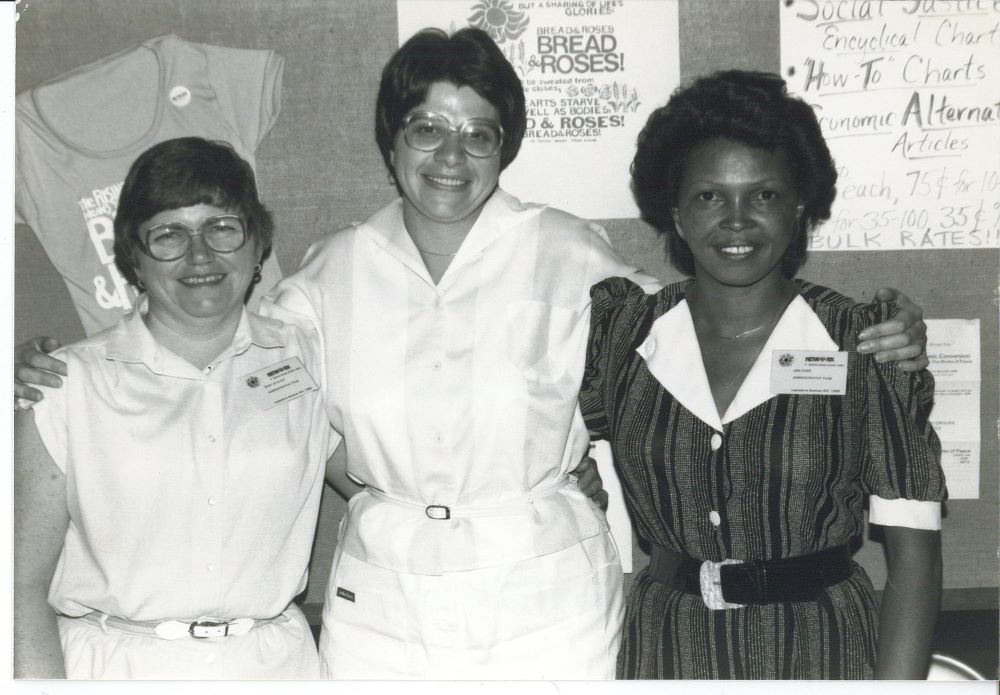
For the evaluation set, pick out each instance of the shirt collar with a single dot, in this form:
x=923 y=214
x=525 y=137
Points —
x=131 y=341
x=501 y=213
x=673 y=357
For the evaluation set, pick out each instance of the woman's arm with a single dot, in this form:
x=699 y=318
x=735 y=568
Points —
x=40 y=522
x=910 y=603
x=336 y=474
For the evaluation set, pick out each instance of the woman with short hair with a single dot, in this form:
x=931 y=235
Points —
x=744 y=462
x=165 y=501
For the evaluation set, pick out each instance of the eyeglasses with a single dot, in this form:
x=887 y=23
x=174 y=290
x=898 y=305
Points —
x=168 y=242
x=426 y=131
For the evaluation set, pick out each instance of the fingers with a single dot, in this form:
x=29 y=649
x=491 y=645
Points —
x=25 y=396
x=902 y=329
x=915 y=365
x=887 y=294
x=587 y=478
x=41 y=361
x=601 y=498
x=24 y=375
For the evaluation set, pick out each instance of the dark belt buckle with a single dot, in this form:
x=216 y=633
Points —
x=438 y=511
x=203 y=629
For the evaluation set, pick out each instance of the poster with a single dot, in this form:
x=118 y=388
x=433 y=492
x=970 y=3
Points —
x=953 y=351
x=908 y=96
x=592 y=70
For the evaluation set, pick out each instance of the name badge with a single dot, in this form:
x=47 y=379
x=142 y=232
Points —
x=281 y=382
x=810 y=372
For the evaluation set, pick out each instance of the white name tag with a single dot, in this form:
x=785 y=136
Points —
x=812 y=372
x=281 y=382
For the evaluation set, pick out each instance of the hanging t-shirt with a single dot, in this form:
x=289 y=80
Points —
x=77 y=135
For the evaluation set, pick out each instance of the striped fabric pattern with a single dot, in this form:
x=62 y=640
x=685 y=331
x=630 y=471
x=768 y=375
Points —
x=790 y=478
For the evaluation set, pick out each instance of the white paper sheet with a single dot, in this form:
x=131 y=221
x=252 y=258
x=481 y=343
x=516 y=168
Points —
x=953 y=350
x=908 y=96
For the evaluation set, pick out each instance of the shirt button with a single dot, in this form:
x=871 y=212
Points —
x=210 y=567
x=210 y=658
x=211 y=501
x=716 y=441
x=715 y=518
x=439 y=438
x=211 y=438
x=438 y=303
x=650 y=347
x=436 y=365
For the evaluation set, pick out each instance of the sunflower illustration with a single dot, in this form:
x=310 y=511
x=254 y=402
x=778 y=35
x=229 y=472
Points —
x=498 y=19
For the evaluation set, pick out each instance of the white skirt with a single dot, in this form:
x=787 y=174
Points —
x=283 y=649
x=557 y=617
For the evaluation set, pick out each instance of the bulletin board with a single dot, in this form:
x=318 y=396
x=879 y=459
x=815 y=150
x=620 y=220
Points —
x=319 y=170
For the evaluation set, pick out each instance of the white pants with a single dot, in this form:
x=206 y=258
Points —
x=282 y=649
x=557 y=616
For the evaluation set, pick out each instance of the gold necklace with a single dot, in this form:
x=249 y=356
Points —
x=744 y=334
x=439 y=255
x=741 y=374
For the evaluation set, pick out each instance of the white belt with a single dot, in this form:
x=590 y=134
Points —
x=510 y=505
x=203 y=628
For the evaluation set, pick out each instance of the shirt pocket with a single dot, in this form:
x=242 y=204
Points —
x=540 y=339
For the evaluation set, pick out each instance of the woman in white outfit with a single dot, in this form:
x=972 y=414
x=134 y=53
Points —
x=165 y=505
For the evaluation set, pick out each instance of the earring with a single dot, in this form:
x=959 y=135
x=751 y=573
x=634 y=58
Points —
x=256 y=273
x=138 y=284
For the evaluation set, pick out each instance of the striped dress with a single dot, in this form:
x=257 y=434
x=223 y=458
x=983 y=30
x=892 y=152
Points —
x=786 y=478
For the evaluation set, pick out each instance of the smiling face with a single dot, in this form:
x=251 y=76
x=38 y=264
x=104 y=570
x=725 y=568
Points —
x=446 y=188
x=738 y=210
x=202 y=285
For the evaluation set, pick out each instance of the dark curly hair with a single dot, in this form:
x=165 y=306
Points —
x=467 y=58
x=751 y=108
x=179 y=173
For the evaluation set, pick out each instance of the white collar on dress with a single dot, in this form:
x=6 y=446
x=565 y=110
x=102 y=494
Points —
x=673 y=357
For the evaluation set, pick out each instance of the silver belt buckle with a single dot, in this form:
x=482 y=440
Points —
x=710 y=578
x=203 y=629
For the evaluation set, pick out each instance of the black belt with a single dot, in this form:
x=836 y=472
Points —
x=756 y=581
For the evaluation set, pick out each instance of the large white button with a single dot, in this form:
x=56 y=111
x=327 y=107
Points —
x=211 y=438
x=716 y=441
x=715 y=518
x=210 y=567
x=211 y=501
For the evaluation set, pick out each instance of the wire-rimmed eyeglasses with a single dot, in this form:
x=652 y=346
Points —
x=170 y=241
x=426 y=131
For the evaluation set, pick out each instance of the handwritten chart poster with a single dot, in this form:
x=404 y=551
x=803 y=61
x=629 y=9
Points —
x=908 y=95
x=953 y=350
x=592 y=70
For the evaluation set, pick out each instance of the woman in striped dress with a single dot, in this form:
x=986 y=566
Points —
x=749 y=445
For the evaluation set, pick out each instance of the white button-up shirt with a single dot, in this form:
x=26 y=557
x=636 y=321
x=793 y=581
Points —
x=463 y=393
x=185 y=499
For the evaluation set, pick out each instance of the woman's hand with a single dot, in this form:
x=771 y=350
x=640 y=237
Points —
x=902 y=338
x=588 y=479
x=910 y=603
x=33 y=365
